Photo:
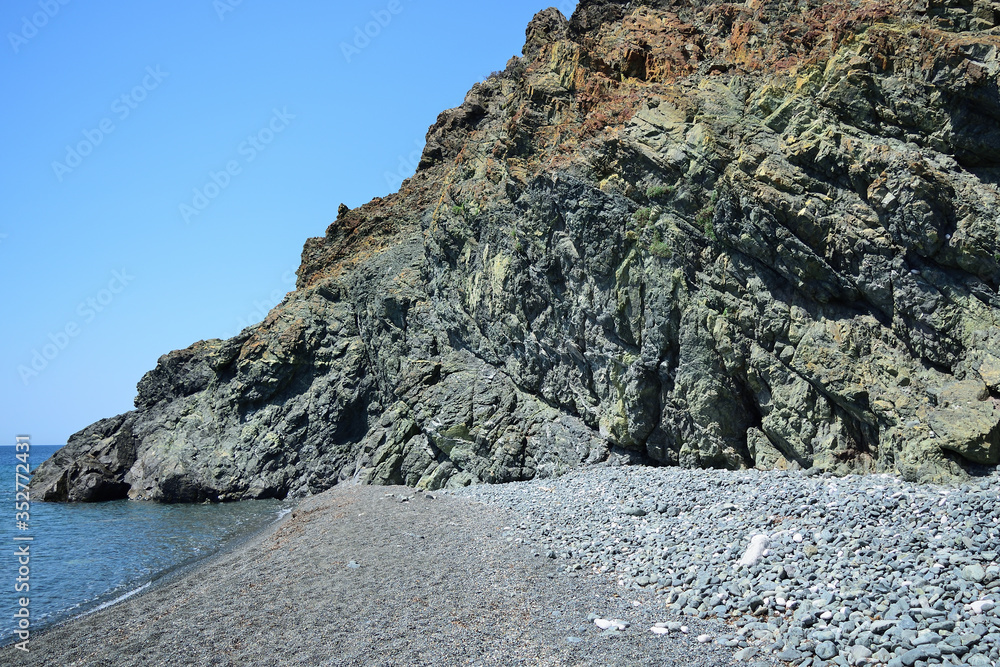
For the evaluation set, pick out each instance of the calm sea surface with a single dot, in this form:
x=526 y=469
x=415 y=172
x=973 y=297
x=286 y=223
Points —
x=87 y=555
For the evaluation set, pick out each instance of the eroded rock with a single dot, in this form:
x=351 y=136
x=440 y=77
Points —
x=690 y=234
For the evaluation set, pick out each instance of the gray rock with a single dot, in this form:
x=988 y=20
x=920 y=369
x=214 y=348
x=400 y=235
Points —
x=826 y=650
x=924 y=652
x=789 y=655
x=880 y=627
x=859 y=655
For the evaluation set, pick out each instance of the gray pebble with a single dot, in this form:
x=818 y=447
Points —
x=857 y=570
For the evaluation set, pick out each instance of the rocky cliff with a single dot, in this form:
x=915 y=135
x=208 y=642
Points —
x=685 y=233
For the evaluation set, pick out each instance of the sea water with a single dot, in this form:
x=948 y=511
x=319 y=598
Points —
x=87 y=556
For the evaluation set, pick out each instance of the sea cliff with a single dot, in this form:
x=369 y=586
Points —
x=684 y=233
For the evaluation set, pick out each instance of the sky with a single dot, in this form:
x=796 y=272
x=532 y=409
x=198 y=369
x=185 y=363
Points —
x=162 y=165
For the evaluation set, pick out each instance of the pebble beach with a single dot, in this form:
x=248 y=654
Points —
x=605 y=565
x=812 y=570
x=378 y=576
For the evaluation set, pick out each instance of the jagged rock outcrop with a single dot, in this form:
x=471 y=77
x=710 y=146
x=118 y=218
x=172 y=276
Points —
x=686 y=233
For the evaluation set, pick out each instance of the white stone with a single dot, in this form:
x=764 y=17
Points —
x=704 y=639
x=982 y=606
x=602 y=623
x=758 y=544
x=658 y=631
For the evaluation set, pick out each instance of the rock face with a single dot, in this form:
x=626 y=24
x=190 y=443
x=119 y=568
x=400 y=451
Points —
x=684 y=233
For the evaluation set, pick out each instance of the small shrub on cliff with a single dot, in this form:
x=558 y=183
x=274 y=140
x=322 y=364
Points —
x=706 y=215
x=659 y=247
x=704 y=220
x=658 y=192
x=643 y=216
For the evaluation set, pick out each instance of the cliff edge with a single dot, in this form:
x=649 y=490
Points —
x=685 y=233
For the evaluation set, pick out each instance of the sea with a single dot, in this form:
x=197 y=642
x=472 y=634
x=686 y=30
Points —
x=83 y=557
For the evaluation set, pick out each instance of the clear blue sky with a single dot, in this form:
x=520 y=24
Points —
x=116 y=112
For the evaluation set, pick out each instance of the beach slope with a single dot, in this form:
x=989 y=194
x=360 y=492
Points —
x=376 y=576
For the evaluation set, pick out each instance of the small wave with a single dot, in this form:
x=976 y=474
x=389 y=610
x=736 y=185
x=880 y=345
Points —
x=118 y=599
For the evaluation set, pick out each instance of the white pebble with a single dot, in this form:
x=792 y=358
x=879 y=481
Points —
x=658 y=631
x=797 y=537
x=602 y=623
x=982 y=606
x=704 y=639
x=684 y=629
x=754 y=552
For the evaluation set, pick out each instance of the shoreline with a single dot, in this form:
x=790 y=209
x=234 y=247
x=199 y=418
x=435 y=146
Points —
x=152 y=580
x=374 y=575
x=867 y=569
x=176 y=571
